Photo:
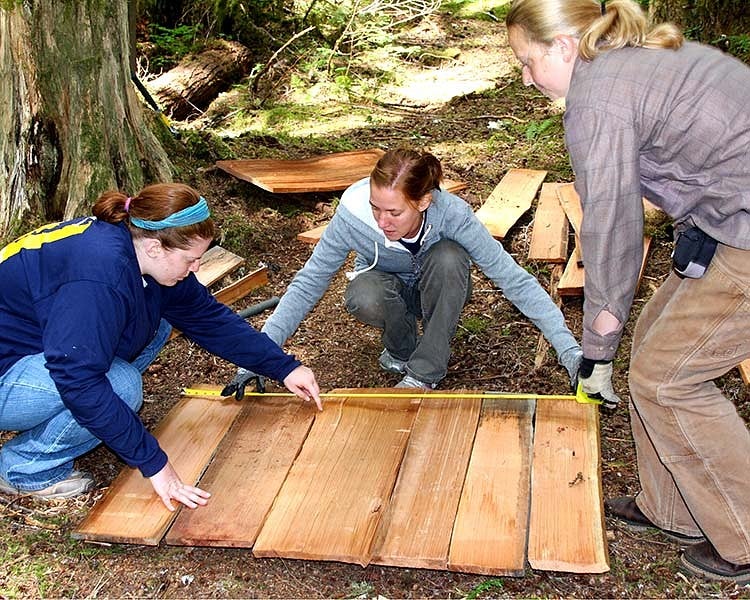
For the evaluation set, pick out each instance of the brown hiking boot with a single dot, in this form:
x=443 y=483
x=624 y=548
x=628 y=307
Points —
x=703 y=560
x=76 y=483
x=625 y=509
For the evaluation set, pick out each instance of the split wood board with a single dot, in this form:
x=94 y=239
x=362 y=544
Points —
x=324 y=173
x=332 y=500
x=243 y=286
x=574 y=278
x=566 y=529
x=489 y=534
x=549 y=234
x=335 y=490
x=250 y=466
x=312 y=236
x=130 y=511
x=571 y=204
x=744 y=368
x=217 y=262
x=511 y=198
x=416 y=527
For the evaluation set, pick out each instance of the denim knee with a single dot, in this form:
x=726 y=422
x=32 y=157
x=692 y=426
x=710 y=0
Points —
x=364 y=299
x=447 y=254
x=127 y=383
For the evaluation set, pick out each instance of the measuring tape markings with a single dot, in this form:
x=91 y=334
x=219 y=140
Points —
x=579 y=397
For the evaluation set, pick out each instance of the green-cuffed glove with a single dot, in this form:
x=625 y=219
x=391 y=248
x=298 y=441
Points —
x=595 y=378
x=241 y=379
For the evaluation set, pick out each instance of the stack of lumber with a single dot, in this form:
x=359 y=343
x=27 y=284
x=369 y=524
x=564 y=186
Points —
x=442 y=480
x=558 y=209
x=217 y=263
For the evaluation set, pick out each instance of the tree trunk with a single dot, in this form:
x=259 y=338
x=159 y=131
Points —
x=706 y=20
x=193 y=84
x=71 y=125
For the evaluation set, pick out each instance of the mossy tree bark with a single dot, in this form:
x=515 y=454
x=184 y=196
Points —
x=706 y=19
x=71 y=124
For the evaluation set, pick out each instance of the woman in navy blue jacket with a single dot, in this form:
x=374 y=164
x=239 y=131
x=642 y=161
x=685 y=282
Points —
x=85 y=306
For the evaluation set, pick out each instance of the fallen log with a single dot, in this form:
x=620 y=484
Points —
x=199 y=78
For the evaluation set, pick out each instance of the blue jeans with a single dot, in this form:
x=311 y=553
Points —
x=382 y=300
x=49 y=438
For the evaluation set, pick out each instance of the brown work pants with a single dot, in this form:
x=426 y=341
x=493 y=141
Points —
x=693 y=448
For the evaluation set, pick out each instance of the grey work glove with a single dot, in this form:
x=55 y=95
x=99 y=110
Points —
x=571 y=360
x=241 y=379
x=595 y=378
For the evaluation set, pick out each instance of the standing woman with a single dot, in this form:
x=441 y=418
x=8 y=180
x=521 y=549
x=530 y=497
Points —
x=85 y=306
x=414 y=245
x=649 y=114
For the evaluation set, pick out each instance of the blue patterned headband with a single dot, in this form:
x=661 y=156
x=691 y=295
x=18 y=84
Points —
x=187 y=216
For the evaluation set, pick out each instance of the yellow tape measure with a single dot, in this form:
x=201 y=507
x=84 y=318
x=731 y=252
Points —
x=580 y=396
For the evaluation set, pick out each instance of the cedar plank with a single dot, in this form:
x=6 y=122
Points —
x=549 y=234
x=324 y=173
x=246 y=474
x=566 y=526
x=573 y=278
x=489 y=533
x=336 y=491
x=511 y=198
x=744 y=368
x=415 y=530
x=217 y=262
x=130 y=511
x=242 y=287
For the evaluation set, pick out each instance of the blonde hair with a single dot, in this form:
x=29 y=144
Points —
x=598 y=26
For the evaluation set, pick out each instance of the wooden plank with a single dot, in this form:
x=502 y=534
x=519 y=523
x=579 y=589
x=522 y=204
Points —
x=130 y=511
x=324 y=173
x=573 y=278
x=242 y=287
x=566 y=526
x=216 y=263
x=744 y=369
x=571 y=204
x=542 y=345
x=336 y=491
x=549 y=235
x=246 y=474
x=489 y=534
x=312 y=236
x=415 y=530
x=509 y=200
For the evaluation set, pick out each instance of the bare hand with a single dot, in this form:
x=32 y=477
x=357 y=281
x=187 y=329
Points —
x=302 y=382
x=168 y=485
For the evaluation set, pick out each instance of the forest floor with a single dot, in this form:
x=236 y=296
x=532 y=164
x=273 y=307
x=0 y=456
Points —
x=472 y=112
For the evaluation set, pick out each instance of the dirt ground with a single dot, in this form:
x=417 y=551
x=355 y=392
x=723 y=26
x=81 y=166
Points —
x=495 y=349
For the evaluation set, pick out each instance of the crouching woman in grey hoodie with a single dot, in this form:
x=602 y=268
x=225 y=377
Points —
x=414 y=245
